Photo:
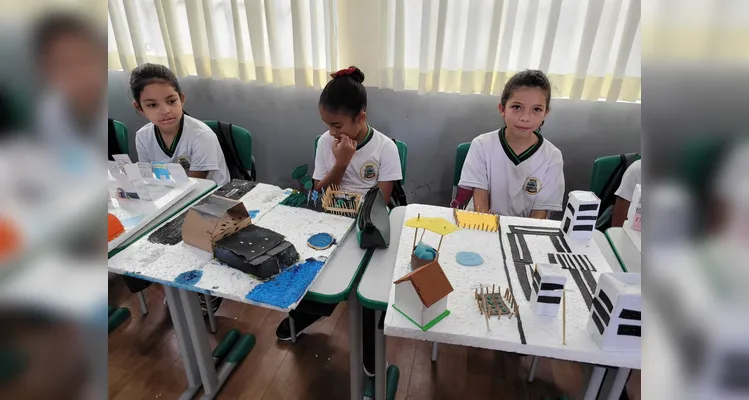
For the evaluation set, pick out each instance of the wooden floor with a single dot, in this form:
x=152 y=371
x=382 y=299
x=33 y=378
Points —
x=144 y=361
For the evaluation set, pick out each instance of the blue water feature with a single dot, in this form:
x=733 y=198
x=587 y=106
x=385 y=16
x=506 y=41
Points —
x=469 y=259
x=425 y=251
x=321 y=240
x=288 y=286
x=189 y=278
x=253 y=213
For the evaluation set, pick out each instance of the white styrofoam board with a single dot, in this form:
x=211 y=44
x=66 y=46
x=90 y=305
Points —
x=135 y=214
x=163 y=263
x=466 y=326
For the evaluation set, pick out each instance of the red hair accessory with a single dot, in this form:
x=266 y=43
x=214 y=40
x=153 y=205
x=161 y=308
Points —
x=343 y=72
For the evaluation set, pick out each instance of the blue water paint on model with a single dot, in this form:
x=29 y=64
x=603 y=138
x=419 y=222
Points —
x=287 y=287
x=189 y=278
x=253 y=213
x=468 y=259
x=321 y=240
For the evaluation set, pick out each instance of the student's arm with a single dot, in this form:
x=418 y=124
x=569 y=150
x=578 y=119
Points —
x=475 y=175
x=481 y=200
x=539 y=214
x=549 y=198
x=205 y=155
x=342 y=150
x=387 y=189
x=390 y=169
x=621 y=207
x=197 y=174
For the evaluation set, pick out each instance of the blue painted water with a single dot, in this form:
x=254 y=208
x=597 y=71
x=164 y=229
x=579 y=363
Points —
x=468 y=259
x=287 y=287
x=321 y=240
x=253 y=213
x=189 y=278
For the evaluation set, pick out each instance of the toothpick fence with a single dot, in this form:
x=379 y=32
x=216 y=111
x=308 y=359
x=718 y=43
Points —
x=330 y=197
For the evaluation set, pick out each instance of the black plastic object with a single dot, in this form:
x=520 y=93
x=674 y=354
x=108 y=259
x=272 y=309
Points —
x=373 y=221
x=257 y=251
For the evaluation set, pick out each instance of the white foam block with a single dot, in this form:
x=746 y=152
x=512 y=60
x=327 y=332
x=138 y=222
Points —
x=163 y=263
x=580 y=212
x=466 y=326
x=618 y=310
x=547 y=274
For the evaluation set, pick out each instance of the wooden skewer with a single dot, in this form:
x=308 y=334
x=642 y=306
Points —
x=486 y=309
x=492 y=288
x=416 y=233
x=423 y=231
x=440 y=245
x=564 y=318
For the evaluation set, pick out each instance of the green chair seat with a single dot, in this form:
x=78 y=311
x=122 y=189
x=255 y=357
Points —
x=120 y=131
x=603 y=167
x=460 y=159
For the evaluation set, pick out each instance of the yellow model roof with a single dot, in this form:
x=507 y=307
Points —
x=436 y=225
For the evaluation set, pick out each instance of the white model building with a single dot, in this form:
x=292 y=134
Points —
x=580 y=215
x=616 y=315
x=548 y=286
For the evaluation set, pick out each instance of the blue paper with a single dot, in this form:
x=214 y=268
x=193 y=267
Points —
x=160 y=170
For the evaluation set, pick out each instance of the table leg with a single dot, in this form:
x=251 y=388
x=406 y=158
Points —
x=532 y=373
x=434 y=351
x=199 y=337
x=143 y=304
x=211 y=316
x=292 y=329
x=622 y=374
x=183 y=340
x=355 y=346
x=594 y=384
x=380 y=359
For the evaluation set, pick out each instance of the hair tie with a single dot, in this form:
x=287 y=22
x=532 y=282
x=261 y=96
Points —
x=344 y=72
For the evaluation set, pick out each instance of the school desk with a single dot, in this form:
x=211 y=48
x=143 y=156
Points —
x=606 y=250
x=466 y=326
x=626 y=250
x=168 y=264
x=196 y=191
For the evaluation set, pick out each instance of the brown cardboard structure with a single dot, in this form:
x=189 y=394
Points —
x=212 y=219
x=430 y=282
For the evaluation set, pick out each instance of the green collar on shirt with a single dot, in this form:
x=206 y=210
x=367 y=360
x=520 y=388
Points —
x=517 y=159
x=169 y=151
x=366 y=140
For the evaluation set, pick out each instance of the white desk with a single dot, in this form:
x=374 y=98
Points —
x=201 y=189
x=625 y=249
x=606 y=250
x=465 y=326
x=162 y=263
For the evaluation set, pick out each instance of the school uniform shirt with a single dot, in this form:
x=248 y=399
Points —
x=375 y=160
x=517 y=184
x=195 y=147
x=630 y=178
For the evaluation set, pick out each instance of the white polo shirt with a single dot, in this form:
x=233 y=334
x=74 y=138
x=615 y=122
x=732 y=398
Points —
x=630 y=179
x=375 y=160
x=517 y=184
x=196 y=147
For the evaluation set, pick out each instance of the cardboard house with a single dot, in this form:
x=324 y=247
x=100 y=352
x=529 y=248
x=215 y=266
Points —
x=421 y=295
x=548 y=286
x=580 y=215
x=616 y=315
x=212 y=219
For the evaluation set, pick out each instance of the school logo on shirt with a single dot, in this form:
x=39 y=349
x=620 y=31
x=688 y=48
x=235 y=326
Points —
x=532 y=185
x=184 y=161
x=368 y=171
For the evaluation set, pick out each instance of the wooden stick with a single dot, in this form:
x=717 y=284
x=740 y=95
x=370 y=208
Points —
x=564 y=317
x=416 y=233
x=486 y=309
x=440 y=245
x=423 y=231
x=492 y=288
x=536 y=268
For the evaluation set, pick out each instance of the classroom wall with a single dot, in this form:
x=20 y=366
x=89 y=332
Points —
x=285 y=121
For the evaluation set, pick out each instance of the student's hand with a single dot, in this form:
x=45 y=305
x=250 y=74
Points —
x=343 y=150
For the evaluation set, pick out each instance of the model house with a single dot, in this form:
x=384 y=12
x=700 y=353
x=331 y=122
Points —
x=548 y=286
x=616 y=315
x=421 y=295
x=580 y=215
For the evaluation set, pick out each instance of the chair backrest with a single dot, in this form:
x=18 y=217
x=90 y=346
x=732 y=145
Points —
x=242 y=143
x=402 y=154
x=460 y=159
x=603 y=167
x=120 y=131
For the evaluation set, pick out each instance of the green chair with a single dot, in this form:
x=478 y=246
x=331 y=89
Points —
x=460 y=159
x=402 y=154
x=242 y=143
x=120 y=131
x=603 y=167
